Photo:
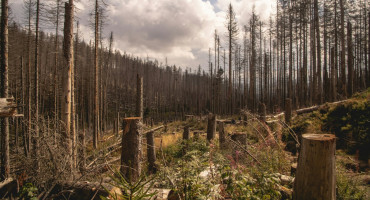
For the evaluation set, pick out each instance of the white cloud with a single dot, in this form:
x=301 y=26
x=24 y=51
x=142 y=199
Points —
x=181 y=30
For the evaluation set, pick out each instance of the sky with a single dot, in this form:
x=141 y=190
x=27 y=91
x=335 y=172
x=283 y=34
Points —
x=180 y=30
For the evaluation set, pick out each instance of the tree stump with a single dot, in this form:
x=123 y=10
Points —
x=315 y=175
x=211 y=128
x=152 y=168
x=288 y=110
x=131 y=148
x=186 y=134
x=221 y=133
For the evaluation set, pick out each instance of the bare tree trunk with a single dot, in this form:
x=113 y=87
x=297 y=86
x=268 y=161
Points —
x=319 y=82
x=222 y=135
x=5 y=159
x=152 y=168
x=343 y=51
x=288 y=110
x=131 y=148
x=211 y=128
x=139 y=97
x=36 y=88
x=96 y=79
x=350 y=59
x=67 y=81
x=315 y=176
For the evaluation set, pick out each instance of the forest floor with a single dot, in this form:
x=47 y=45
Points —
x=196 y=169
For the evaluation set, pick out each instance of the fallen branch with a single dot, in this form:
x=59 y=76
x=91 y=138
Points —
x=153 y=129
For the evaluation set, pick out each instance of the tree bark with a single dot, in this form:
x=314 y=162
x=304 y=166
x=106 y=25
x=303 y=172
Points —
x=139 y=97
x=186 y=133
x=211 y=128
x=222 y=135
x=152 y=168
x=315 y=176
x=288 y=110
x=5 y=159
x=67 y=81
x=350 y=59
x=131 y=148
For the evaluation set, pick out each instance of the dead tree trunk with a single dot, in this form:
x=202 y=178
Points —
x=262 y=111
x=152 y=168
x=221 y=133
x=186 y=134
x=5 y=159
x=139 y=98
x=288 y=110
x=315 y=176
x=131 y=148
x=350 y=59
x=67 y=81
x=82 y=152
x=211 y=128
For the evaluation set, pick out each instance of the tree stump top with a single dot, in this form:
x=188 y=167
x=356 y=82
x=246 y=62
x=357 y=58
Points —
x=319 y=137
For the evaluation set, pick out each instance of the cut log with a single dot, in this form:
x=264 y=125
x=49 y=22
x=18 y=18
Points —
x=315 y=176
x=307 y=110
x=131 y=148
x=8 y=108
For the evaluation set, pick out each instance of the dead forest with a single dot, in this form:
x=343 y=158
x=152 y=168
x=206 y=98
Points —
x=67 y=105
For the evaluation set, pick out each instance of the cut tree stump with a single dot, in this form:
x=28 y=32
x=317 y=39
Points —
x=186 y=133
x=211 y=128
x=315 y=175
x=152 y=168
x=131 y=148
x=221 y=133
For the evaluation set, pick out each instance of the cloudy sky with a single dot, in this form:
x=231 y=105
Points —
x=181 y=30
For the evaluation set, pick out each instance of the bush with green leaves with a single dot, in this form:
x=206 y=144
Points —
x=28 y=192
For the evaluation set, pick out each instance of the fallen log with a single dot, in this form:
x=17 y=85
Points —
x=153 y=129
x=82 y=190
x=307 y=110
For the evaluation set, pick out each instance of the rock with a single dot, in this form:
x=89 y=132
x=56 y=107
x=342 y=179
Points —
x=286 y=180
